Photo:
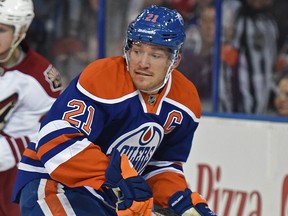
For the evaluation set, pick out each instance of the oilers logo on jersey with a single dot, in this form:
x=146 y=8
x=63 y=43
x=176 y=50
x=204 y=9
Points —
x=140 y=144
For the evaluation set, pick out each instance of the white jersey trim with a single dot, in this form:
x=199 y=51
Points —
x=158 y=171
x=66 y=154
x=164 y=97
x=51 y=126
x=30 y=168
x=186 y=109
x=107 y=101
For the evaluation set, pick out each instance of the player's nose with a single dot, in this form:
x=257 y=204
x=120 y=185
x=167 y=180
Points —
x=144 y=61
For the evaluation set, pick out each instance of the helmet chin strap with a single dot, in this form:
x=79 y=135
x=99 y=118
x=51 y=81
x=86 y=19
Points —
x=15 y=43
x=166 y=78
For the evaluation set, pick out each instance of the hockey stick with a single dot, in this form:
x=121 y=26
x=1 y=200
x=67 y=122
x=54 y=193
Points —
x=159 y=211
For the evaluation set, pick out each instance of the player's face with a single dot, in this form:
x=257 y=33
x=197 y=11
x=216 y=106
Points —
x=6 y=38
x=281 y=100
x=148 y=66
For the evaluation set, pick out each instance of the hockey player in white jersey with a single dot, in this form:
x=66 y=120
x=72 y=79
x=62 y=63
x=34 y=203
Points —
x=29 y=84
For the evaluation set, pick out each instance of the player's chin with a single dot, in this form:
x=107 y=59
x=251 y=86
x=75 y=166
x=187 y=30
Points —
x=142 y=88
x=142 y=84
x=145 y=88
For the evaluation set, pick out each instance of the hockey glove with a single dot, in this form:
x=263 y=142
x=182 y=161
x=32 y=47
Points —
x=134 y=194
x=186 y=203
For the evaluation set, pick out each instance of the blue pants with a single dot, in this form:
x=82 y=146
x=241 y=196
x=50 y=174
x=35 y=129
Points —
x=47 y=197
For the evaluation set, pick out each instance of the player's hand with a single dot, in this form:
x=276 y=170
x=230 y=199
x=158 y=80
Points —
x=188 y=203
x=134 y=194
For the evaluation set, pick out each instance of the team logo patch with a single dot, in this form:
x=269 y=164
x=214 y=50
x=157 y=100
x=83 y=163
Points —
x=140 y=144
x=5 y=106
x=54 y=78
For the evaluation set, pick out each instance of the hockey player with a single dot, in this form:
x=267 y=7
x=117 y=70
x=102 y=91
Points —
x=29 y=85
x=115 y=140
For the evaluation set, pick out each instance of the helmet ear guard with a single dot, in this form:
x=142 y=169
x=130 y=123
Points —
x=177 y=60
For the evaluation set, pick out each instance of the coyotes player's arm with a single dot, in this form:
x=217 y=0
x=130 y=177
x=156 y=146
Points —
x=11 y=150
x=164 y=185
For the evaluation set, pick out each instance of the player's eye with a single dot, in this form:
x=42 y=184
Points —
x=156 y=56
x=3 y=30
x=136 y=50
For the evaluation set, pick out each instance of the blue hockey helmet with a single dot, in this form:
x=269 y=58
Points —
x=158 y=26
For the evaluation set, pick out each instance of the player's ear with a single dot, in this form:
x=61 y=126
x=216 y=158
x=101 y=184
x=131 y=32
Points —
x=177 y=61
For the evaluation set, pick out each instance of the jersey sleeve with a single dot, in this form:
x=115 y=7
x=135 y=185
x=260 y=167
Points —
x=67 y=137
x=164 y=185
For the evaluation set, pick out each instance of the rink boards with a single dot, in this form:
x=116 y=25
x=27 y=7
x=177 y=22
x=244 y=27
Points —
x=241 y=166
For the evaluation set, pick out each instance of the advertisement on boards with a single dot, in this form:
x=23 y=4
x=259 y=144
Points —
x=240 y=166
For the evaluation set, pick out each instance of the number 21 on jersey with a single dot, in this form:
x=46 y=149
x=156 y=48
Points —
x=79 y=109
